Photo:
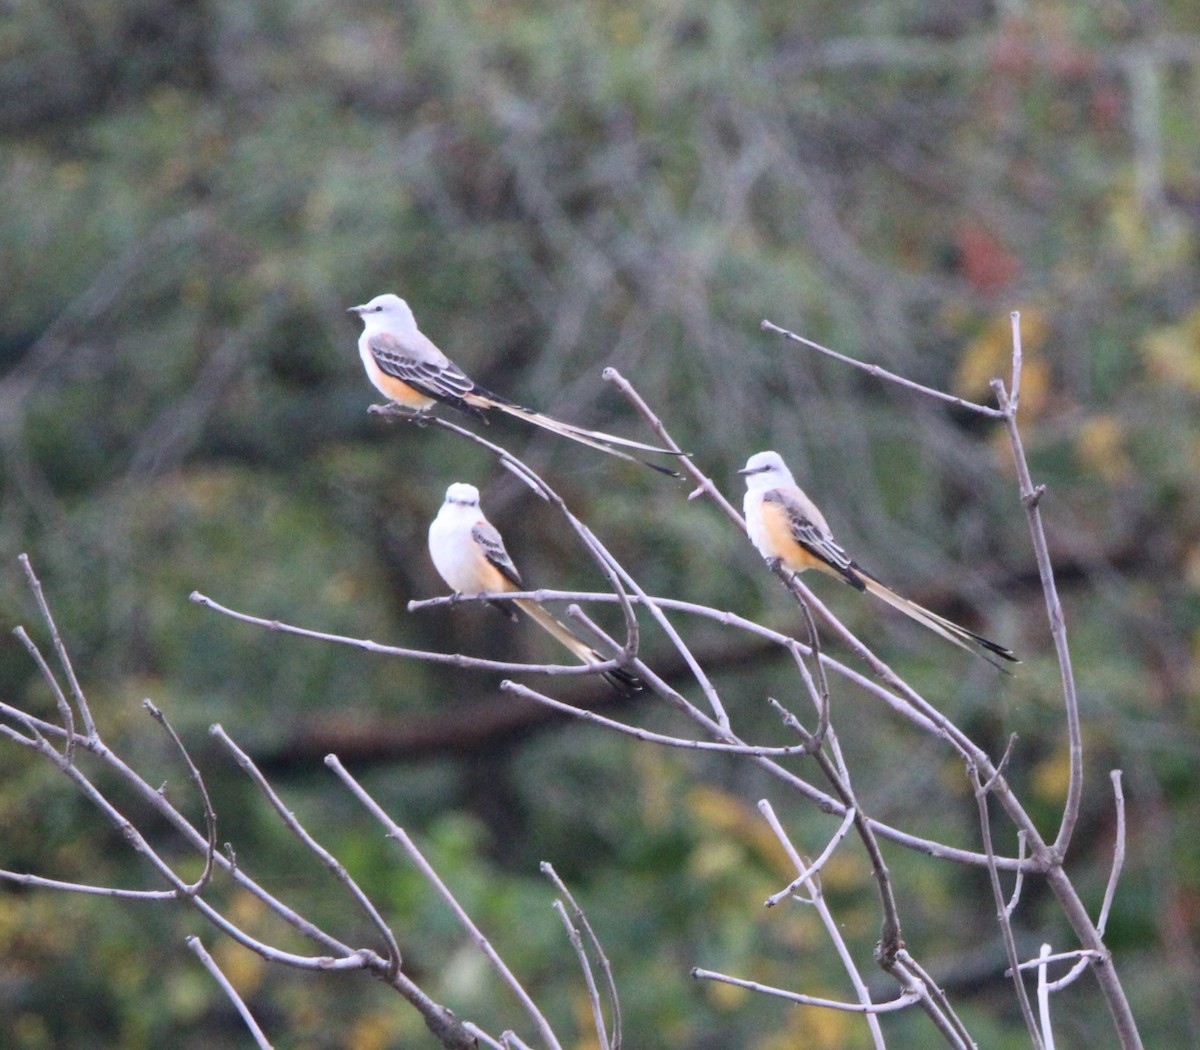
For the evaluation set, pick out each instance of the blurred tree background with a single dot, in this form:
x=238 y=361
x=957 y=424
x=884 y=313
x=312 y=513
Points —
x=195 y=190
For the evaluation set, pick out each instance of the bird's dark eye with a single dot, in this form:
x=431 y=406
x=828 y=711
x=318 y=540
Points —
x=379 y=309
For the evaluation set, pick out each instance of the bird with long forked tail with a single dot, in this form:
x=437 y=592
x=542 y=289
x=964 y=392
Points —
x=786 y=526
x=407 y=367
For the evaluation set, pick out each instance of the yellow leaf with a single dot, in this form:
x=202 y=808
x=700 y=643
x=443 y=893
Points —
x=813 y=1028
x=738 y=822
x=1051 y=776
x=373 y=1031
x=989 y=355
x=1172 y=353
x=241 y=966
x=1100 y=446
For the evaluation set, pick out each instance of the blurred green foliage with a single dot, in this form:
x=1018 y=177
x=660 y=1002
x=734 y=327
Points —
x=193 y=193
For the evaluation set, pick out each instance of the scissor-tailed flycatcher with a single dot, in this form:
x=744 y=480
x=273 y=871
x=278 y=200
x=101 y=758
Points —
x=785 y=526
x=469 y=554
x=408 y=368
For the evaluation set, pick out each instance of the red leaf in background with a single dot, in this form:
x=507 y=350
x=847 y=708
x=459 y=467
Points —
x=983 y=260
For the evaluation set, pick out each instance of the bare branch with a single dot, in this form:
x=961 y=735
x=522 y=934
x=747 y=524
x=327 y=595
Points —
x=1118 y=852
x=158 y=801
x=352 y=961
x=401 y=836
x=76 y=887
x=605 y=968
x=211 y=966
x=328 y=859
x=828 y=804
x=60 y=699
x=810 y=871
x=883 y=373
x=1085 y=956
x=1000 y=766
x=900 y=1003
x=210 y=818
x=35 y=585
x=1031 y=499
x=479 y=1034
x=645 y=734
x=704 y=482
x=819 y=689
x=1019 y=881
x=586 y=967
x=913 y=978
x=890 y=937
x=1044 y=1001
x=1073 y=956
x=452 y=659
x=817 y=899
x=1002 y=912
x=1018 y=362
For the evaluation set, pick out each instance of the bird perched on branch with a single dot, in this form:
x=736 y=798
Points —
x=786 y=527
x=468 y=552
x=409 y=369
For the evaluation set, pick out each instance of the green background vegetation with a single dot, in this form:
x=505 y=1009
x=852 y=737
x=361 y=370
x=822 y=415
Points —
x=193 y=192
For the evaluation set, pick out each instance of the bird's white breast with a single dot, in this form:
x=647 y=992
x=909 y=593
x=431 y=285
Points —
x=454 y=551
x=752 y=511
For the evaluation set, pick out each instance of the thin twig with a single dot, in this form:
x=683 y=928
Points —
x=882 y=373
x=817 y=899
x=1044 y=1001
x=60 y=699
x=246 y=763
x=1086 y=957
x=1031 y=498
x=1118 y=852
x=35 y=585
x=819 y=690
x=452 y=659
x=517 y=689
x=481 y=942
x=900 y=1003
x=210 y=817
x=890 y=937
x=1019 y=881
x=482 y=1036
x=585 y=966
x=705 y=483
x=810 y=871
x=38 y=881
x=211 y=966
x=1003 y=763
x=933 y=1000
x=605 y=967
x=1003 y=914
x=1071 y=956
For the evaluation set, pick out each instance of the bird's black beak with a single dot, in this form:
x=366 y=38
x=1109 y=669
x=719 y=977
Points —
x=753 y=470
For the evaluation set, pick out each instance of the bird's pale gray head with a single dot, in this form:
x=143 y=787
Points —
x=386 y=311
x=463 y=495
x=765 y=470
